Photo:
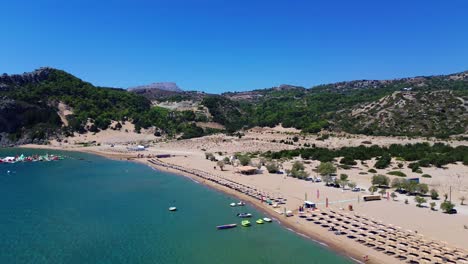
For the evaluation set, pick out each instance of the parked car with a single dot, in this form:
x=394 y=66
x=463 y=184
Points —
x=452 y=211
x=318 y=179
x=356 y=189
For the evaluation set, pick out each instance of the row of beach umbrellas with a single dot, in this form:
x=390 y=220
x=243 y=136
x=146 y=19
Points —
x=391 y=240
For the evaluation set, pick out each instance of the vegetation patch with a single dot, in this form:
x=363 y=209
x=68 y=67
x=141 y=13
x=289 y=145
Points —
x=397 y=173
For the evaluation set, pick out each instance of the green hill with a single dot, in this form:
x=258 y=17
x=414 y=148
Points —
x=419 y=106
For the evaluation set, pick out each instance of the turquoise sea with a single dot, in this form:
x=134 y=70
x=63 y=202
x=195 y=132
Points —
x=88 y=209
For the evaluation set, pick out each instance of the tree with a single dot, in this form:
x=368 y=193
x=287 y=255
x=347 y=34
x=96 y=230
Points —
x=344 y=180
x=383 y=162
x=434 y=194
x=351 y=185
x=382 y=192
x=411 y=187
x=297 y=170
x=343 y=177
x=220 y=164
x=300 y=174
x=422 y=188
x=446 y=206
x=327 y=179
x=393 y=195
x=298 y=166
x=432 y=204
x=419 y=200
x=462 y=200
x=244 y=160
x=397 y=183
x=380 y=180
x=373 y=189
x=326 y=168
x=272 y=167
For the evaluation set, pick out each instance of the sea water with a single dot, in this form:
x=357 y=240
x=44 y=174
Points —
x=89 y=209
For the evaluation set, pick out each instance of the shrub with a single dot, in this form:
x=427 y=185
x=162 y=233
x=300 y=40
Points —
x=348 y=161
x=422 y=188
x=383 y=162
x=397 y=173
x=372 y=171
x=297 y=170
x=244 y=160
x=373 y=189
x=326 y=168
x=298 y=166
x=397 y=183
x=209 y=156
x=382 y=192
x=426 y=176
x=220 y=164
x=419 y=200
x=272 y=167
x=446 y=206
x=434 y=194
x=380 y=180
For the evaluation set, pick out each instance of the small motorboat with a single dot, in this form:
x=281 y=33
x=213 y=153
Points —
x=244 y=215
x=245 y=223
x=232 y=204
x=172 y=209
x=220 y=227
x=240 y=203
x=266 y=219
x=259 y=221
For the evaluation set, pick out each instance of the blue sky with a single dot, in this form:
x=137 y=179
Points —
x=217 y=46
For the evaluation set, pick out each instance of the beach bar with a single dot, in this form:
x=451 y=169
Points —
x=247 y=170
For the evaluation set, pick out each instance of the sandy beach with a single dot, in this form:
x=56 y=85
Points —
x=419 y=225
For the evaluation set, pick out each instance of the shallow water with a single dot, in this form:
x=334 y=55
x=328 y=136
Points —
x=97 y=210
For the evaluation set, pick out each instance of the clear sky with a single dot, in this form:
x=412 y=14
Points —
x=217 y=46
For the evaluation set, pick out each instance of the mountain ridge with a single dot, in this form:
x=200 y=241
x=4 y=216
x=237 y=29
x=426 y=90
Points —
x=34 y=96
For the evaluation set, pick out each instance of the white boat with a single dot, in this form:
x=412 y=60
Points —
x=266 y=219
x=244 y=215
x=240 y=203
x=232 y=204
x=173 y=208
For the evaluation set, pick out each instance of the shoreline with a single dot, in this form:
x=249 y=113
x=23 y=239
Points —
x=353 y=254
x=194 y=166
x=329 y=245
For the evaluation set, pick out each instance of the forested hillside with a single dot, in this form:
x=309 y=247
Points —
x=29 y=102
x=420 y=106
